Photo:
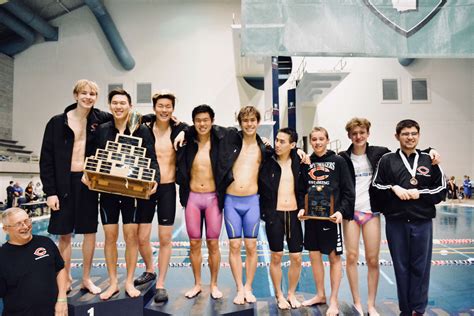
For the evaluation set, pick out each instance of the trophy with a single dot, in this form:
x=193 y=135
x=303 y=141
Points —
x=122 y=168
x=319 y=203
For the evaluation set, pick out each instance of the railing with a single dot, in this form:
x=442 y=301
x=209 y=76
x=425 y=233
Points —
x=298 y=74
x=335 y=145
x=340 y=65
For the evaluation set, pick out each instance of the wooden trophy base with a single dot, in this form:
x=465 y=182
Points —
x=119 y=185
x=320 y=218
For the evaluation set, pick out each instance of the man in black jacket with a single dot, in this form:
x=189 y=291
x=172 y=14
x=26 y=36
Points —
x=10 y=194
x=282 y=189
x=164 y=131
x=328 y=172
x=410 y=187
x=114 y=205
x=196 y=175
x=68 y=139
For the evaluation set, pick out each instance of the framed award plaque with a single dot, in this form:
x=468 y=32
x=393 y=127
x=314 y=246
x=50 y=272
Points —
x=319 y=203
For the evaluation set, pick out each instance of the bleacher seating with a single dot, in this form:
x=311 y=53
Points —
x=11 y=151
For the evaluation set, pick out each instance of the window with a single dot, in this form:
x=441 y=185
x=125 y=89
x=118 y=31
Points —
x=143 y=92
x=113 y=86
x=390 y=91
x=419 y=90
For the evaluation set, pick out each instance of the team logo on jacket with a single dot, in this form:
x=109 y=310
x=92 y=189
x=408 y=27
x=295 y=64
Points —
x=405 y=16
x=422 y=170
x=322 y=169
x=40 y=253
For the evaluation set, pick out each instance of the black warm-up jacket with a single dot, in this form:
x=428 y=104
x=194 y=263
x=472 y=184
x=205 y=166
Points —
x=229 y=151
x=185 y=157
x=431 y=185
x=56 y=150
x=269 y=183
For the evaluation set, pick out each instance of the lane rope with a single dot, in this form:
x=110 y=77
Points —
x=101 y=244
x=467 y=262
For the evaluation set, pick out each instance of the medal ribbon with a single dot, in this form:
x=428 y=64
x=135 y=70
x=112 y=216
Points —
x=412 y=171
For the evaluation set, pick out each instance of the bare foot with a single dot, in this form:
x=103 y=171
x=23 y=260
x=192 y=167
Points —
x=89 y=286
x=293 y=301
x=215 y=293
x=316 y=300
x=333 y=310
x=111 y=291
x=359 y=309
x=249 y=297
x=283 y=303
x=372 y=311
x=131 y=290
x=193 y=292
x=239 y=298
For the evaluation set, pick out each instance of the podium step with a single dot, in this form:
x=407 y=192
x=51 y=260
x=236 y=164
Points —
x=201 y=305
x=81 y=302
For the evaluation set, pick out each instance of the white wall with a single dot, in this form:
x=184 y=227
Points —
x=184 y=46
x=447 y=122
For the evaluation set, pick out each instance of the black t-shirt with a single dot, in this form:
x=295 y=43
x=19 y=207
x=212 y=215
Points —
x=28 y=277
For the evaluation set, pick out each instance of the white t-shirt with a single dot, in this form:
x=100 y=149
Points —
x=363 y=177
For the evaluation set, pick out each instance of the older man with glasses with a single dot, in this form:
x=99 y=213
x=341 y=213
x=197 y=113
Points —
x=33 y=280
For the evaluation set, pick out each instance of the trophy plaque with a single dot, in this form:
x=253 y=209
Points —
x=122 y=168
x=319 y=203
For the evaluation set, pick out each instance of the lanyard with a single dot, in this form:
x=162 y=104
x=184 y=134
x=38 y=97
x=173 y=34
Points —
x=412 y=171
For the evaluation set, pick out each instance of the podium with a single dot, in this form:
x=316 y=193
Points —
x=82 y=303
x=203 y=304
x=269 y=306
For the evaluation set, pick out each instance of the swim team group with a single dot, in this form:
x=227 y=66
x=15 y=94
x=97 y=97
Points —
x=230 y=175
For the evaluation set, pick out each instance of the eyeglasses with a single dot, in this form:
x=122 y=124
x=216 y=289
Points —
x=26 y=222
x=406 y=134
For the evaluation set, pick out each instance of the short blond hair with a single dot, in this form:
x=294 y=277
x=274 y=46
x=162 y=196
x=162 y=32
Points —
x=358 y=122
x=10 y=212
x=319 y=129
x=82 y=83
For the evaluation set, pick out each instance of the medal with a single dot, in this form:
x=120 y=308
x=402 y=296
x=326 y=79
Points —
x=412 y=171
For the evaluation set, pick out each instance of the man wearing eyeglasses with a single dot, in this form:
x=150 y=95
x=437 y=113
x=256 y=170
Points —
x=33 y=280
x=411 y=187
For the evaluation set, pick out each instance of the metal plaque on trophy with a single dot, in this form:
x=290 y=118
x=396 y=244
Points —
x=319 y=203
x=121 y=167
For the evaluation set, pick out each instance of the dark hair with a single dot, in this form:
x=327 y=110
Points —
x=291 y=132
x=11 y=182
x=167 y=95
x=406 y=124
x=203 y=108
x=119 y=91
x=247 y=111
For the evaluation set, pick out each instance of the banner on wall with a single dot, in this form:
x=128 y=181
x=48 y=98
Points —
x=292 y=108
x=275 y=96
x=370 y=28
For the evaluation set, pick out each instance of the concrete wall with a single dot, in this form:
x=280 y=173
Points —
x=184 y=46
x=6 y=96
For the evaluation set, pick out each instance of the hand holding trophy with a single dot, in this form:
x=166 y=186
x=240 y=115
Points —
x=319 y=203
x=122 y=168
